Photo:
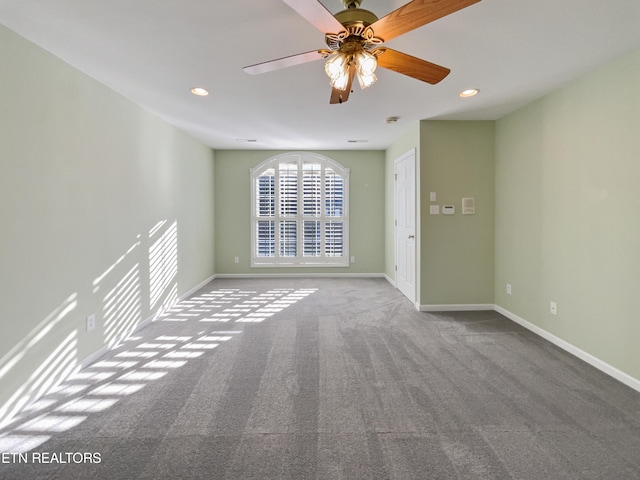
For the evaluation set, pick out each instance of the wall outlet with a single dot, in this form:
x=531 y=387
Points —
x=91 y=322
x=553 y=308
x=353 y=259
x=434 y=209
x=432 y=196
x=236 y=260
x=508 y=289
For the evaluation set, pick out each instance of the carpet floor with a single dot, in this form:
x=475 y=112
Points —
x=328 y=379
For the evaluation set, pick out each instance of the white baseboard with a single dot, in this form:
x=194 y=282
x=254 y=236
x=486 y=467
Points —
x=196 y=288
x=463 y=307
x=390 y=280
x=572 y=349
x=300 y=275
x=91 y=358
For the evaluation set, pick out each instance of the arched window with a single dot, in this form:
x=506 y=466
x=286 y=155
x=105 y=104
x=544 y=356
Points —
x=300 y=211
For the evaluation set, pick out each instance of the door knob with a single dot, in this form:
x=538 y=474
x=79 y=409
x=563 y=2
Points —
x=412 y=236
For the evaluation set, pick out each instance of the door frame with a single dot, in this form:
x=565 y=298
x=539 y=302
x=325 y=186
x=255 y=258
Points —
x=411 y=153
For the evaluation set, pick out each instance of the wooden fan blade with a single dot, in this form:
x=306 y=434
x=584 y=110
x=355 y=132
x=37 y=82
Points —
x=341 y=96
x=416 y=14
x=283 y=62
x=412 y=66
x=316 y=14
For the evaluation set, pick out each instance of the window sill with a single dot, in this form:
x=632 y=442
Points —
x=298 y=265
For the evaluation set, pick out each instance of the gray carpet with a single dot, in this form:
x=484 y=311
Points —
x=329 y=379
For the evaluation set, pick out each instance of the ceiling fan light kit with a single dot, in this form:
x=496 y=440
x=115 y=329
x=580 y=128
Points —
x=354 y=37
x=339 y=66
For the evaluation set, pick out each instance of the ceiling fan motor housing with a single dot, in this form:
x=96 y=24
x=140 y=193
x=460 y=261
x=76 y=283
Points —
x=356 y=22
x=356 y=16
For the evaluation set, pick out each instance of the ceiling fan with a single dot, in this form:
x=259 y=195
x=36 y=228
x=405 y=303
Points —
x=354 y=39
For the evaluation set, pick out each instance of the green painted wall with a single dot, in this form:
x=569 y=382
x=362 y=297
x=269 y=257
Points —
x=233 y=211
x=568 y=209
x=93 y=191
x=456 y=161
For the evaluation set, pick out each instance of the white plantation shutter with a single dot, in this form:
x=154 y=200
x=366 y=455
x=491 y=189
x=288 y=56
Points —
x=266 y=193
x=311 y=189
x=334 y=238
x=266 y=244
x=288 y=189
x=288 y=238
x=300 y=211
x=312 y=238
x=334 y=197
x=265 y=211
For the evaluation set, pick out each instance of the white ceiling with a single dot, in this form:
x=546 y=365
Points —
x=155 y=51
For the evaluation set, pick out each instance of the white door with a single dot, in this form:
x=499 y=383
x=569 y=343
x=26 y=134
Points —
x=405 y=176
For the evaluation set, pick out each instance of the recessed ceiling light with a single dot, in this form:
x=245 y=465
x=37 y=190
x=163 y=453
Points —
x=201 y=92
x=392 y=119
x=469 y=93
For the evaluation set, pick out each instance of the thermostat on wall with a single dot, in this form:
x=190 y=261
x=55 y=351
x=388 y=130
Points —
x=448 y=209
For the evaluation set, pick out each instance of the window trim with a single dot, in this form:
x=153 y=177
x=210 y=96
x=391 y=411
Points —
x=300 y=260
